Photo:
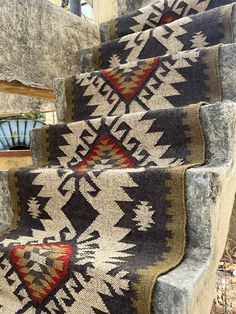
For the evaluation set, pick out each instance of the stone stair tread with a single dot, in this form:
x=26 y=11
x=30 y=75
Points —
x=209 y=188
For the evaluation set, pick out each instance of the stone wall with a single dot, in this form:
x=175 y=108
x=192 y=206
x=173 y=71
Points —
x=105 y=10
x=15 y=159
x=127 y=6
x=232 y=230
x=56 y=2
x=40 y=41
x=11 y=104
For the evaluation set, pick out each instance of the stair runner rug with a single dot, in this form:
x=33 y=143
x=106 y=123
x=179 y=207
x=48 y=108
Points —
x=94 y=228
x=160 y=13
x=184 y=34
x=155 y=83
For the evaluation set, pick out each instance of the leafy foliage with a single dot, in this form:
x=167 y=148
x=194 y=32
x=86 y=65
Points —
x=38 y=116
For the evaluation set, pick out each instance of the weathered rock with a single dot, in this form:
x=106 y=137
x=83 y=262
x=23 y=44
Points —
x=40 y=41
x=11 y=104
x=5 y=203
x=127 y=6
x=232 y=227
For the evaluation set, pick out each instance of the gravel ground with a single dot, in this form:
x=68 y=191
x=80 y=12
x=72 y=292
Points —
x=225 y=301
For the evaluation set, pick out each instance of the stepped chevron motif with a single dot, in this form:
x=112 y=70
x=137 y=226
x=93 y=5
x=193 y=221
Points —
x=148 y=84
x=181 y=35
x=81 y=243
x=159 y=13
x=103 y=215
x=135 y=140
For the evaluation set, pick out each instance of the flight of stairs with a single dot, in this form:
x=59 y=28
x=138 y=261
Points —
x=176 y=80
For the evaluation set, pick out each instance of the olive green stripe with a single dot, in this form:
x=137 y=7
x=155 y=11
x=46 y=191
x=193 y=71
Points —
x=144 y=288
x=69 y=99
x=213 y=83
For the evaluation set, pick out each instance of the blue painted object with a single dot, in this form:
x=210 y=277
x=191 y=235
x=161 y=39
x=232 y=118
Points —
x=15 y=134
x=75 y=7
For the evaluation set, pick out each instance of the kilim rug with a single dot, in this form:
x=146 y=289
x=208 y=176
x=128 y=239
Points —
x=94 y=228
x=160 y=13
x=184 y=34
x=156 y=83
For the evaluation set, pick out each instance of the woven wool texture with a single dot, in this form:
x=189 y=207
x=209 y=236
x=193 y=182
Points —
x=160 y=13
x=88 y=218
x=156 y=83
x=184 y=34
x=104 y=215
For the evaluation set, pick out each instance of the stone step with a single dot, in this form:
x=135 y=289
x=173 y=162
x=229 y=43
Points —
x=210 y=193
x=153 y=15
x=184 y=34
x=227 y=73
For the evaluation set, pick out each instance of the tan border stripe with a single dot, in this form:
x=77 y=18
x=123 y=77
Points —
x=210 y=57
x=148 y=276
x=69 y=99
x=113 y=29
x=97 y=58
x=44 y=146
x=196 y=147
x=226 y=14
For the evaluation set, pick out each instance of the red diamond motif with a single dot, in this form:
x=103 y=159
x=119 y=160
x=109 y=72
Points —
x=41 y=266
x=106 y=153
x=168 y=17
x=128 y=82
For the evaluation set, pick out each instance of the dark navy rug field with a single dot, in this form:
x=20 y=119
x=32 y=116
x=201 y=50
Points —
x=184 y=34
x=160 y=13
x=156 y=83
x=82 y=237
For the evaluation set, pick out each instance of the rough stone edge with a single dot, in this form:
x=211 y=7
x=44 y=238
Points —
x=227 y=74
x=5 y=211
x=60 y=103
x=210 y=189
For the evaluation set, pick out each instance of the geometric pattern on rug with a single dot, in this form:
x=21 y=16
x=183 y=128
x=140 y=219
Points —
x=106 y=153
x=160 y=13
x=103 y=216
x=128 y=82
x=104 y=264
x=181 y=35
x=168 y=85
x=41 y=267
x=141 y=139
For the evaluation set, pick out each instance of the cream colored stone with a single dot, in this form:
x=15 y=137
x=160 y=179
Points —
x=40 y=41
x=232 y=229
x=56 y=2
x=11 y=104
x=104 y=10
x=14 y=160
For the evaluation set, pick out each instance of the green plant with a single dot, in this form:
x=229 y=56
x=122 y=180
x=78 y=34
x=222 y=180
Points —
x=38 y=116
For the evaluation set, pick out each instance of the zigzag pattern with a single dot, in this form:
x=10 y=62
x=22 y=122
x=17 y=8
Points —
x=153 y=84
x=105 y=215
x=159 y=13
x=181 y=35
